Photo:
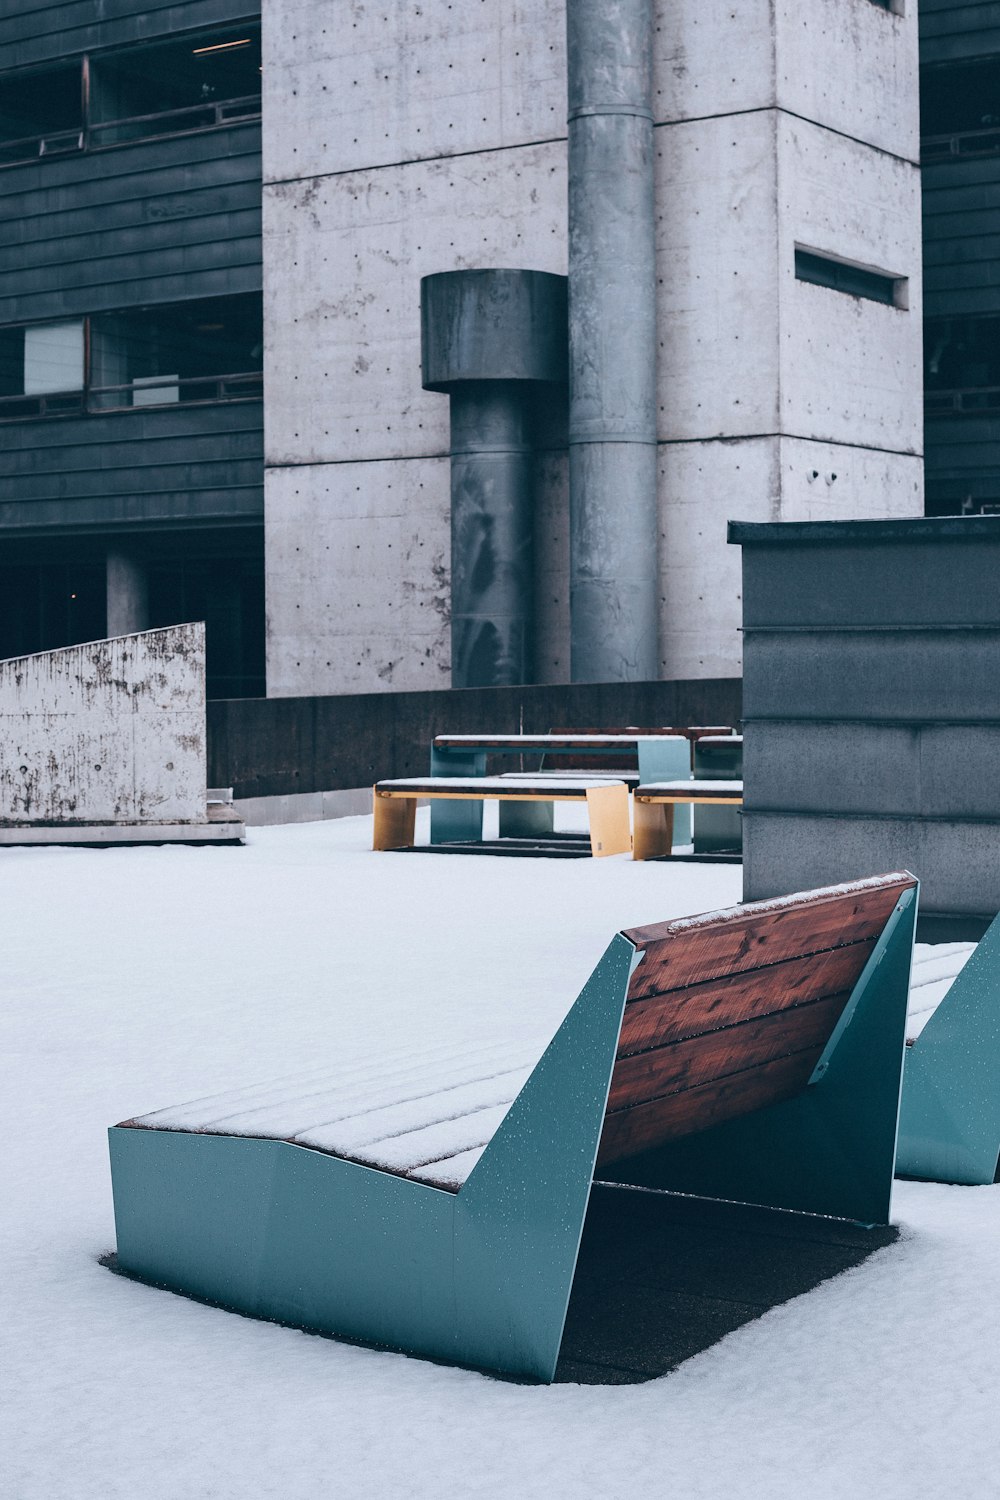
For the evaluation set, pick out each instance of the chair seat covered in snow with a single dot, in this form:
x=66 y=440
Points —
x=949 y=1122
x=752 y=1054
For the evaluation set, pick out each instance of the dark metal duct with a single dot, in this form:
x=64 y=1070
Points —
x=492 y=340
x=612 y=342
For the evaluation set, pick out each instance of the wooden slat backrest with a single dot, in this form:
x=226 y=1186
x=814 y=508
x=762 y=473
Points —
x=731 y=1011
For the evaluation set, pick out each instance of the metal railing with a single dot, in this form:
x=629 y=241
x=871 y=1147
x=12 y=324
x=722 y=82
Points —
x=969 y=402
x=99 y=136
x=195 y=390
x=962 y=143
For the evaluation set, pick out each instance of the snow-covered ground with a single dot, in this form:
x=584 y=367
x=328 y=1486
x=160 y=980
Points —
x=136 y=979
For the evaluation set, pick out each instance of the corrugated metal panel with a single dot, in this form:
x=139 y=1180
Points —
x=949 y=32
x=961 y=226
x=157 y=221
x=145 y=467
x=32 y=33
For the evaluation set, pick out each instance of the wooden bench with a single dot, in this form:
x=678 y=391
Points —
x=653 y=810
x=752 y=1055
x=465 y=755
x=606 y=801
x=949 y=1123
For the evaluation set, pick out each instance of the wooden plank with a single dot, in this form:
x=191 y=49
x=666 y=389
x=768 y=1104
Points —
x=694 y=950
x=659 y=1019
x=482 y=787
x=630 y=1131
x=646 y=1076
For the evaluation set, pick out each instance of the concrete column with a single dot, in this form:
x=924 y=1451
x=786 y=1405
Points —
x=495 y=341
x=127 y=594
x=612 y=342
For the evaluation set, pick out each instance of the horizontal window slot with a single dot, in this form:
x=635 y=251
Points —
x=855 y=281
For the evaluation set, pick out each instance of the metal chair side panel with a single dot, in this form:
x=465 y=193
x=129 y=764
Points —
x=949 y=1126
x=479 y=1278
x=457 y=821
x=668 y=758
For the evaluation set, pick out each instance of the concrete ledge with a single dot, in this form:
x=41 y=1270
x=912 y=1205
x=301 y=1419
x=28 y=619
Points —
x=99 y=835
x=304 y=807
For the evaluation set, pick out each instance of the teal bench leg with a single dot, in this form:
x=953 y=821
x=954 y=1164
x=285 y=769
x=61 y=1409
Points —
x=667 y=757
x=457 y=821
x=949 y=1125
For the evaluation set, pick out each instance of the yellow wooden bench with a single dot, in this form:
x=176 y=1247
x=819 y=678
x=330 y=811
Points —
x=653 y=810
x=395 y=804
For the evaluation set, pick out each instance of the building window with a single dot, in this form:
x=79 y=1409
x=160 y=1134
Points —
x=895 y=7
x=42 y=369
x=41 y=114
x=961 y=366
x=960 y=110
x=174 y=87
x=207 y=350
x=111 y=99
x=855 y=280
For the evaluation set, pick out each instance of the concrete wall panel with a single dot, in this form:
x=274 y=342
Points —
x=834 y=481
x=850 y=367
x=395 y=82
x=716 y=243
x=344 y=257
x=357 y=559
x=845 y=64
x=852 y=66
x=705 y=485
x=109 y=732
x=712 y=59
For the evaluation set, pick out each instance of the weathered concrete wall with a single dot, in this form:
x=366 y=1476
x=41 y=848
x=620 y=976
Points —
x=401 y=141
x=110 y=732
x=870 y=708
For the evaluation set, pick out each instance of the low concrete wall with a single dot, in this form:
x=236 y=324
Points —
x=278 y=747
x=872 y=706
x=106 y=733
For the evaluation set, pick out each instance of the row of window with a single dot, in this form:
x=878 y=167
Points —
x=205 y=350
x=110 y=98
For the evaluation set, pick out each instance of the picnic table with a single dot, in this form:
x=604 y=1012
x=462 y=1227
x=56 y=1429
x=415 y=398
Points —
x=660 y=757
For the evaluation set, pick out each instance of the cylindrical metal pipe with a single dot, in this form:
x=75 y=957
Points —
x=495 y=340
x=491 y=535
x=612 y=342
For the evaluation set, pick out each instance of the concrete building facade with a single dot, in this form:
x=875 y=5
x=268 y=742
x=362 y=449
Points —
x=413 y=141
x=146 y=481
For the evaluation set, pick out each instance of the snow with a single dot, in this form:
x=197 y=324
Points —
x=137 y=977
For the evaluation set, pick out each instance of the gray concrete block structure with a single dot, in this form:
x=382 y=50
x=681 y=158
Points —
x=871 y=704
x=415 y=143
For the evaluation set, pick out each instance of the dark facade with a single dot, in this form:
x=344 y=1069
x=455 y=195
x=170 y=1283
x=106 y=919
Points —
x=871 y=720
x=131 y=344
x=960 y=129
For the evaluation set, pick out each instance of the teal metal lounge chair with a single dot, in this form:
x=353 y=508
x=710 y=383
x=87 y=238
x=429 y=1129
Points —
x=949 y=1124
x=753 y=1054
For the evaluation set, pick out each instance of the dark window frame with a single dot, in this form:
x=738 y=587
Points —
x=93 y=400
x=819 y=268
x=93 y=133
